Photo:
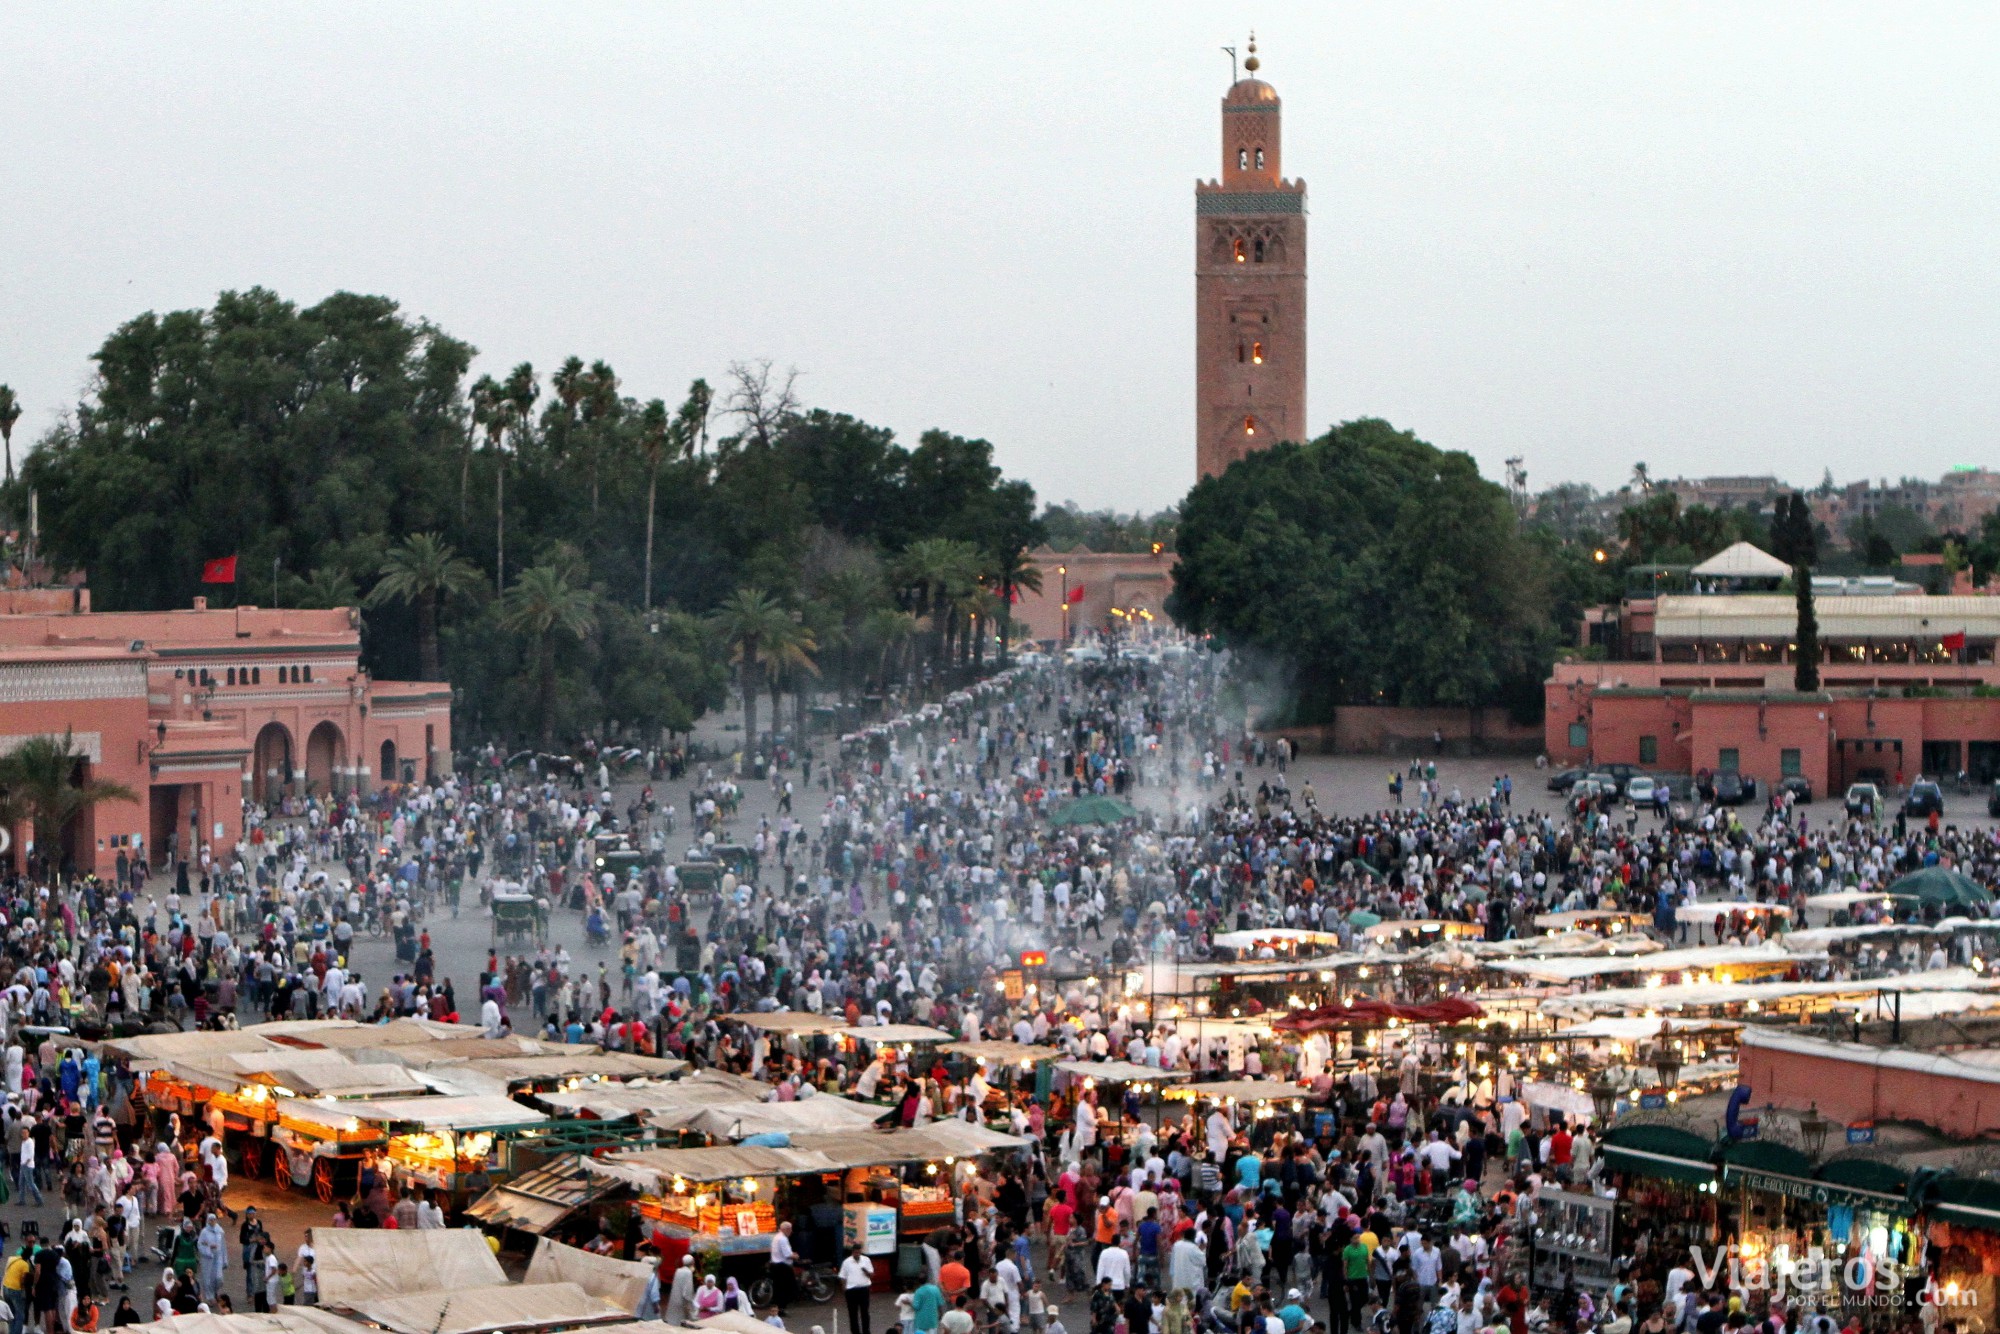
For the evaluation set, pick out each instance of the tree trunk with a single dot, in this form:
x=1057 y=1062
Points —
x=464 y=476
x=546 y=704
x=427 y=637
x=652 y=486
x=751 y=685
x=500 y=520
x=1006 y=620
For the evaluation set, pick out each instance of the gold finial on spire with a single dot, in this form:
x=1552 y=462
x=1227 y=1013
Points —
x=1252 y=63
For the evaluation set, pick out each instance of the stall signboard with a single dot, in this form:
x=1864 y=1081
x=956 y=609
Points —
x=1652 y=1102
x=1814 y=1192
x=1861 y=1132
x=1011 y=985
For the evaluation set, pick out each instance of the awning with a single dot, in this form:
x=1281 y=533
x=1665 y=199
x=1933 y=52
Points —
x=621 y=1282
x=364 y=1264
x=476 y=1112
x=481 y=1310
x=1118 y=1072
x=654 y=1170
x=538 y=1200
x=1659 y=1151
x=895 y=1033
x=1242 y=1090
x=1002 y=1053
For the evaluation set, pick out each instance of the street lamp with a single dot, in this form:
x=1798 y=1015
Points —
x=1812 y=1131
x=1666 y=1064
x=1063 y=570
x=1603 y=1098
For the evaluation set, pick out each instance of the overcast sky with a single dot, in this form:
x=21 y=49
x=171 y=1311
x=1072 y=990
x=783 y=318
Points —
x=1738 y=237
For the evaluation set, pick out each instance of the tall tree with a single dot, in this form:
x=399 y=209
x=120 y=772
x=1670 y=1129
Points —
x=10 y=412
x=763 y=636
x=1013 y=571
x=421 y=572
x=601 y=408
x=45 y=781
x=548 y=599
x=483 y=404
x=515 y=415
x=1796 y=542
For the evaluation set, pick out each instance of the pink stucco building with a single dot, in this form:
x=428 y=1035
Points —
x=194 y=709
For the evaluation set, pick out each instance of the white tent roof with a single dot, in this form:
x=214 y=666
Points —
x=1742 y=561
x=1695 y=959
x=522 y=1306
x=620 y=1282
x=364 y=1264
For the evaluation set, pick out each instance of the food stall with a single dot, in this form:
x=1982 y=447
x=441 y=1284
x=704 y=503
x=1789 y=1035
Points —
x=450 y=1144
x=319 y=1144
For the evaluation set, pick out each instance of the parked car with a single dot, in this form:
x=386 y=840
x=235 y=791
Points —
x=1730 y=788
x=1799 y=786
x=1641 y=790
x=1564 y=780
x=1624 y=773
x=1925 y=798
x=1864 y=801
x=1607 y=781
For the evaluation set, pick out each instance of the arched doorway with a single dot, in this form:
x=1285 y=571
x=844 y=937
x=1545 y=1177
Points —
x=326 y=756
x=387 y=773
x=271 y=762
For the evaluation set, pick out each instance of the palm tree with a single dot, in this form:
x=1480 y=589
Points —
x=10 y=412
x=422 y=572
x=518 y=397
x=548 y=597
x=762 y=635
x=43 y=784
x=660 y=438
x=1642 y=478
x=979 y=606
x=482 y=400
x=938 y=567
x=600 y=409
x=329 y=586
x=887 y=630
x=1013 y=571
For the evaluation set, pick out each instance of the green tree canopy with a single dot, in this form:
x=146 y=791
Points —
x=1367 y=567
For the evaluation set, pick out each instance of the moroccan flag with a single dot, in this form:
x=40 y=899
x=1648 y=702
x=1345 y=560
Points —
x=222 y=570
x=1954 y=642
x=1076 y=594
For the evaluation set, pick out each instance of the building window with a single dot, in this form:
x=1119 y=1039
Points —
x=256 y=676
x=1649 y=750
x=1260 y=250
x=1249 y=426
x=1727 y=759
x=1239 y=250
x=1239 y=351
x=307 y=672
x=1579 y=735
x=232 y=676
x=1243 y=159
x=1788 y=762
x=1260 y=159
x=1256 y=353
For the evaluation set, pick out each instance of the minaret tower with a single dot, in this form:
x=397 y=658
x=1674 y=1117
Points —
x=1250 y=286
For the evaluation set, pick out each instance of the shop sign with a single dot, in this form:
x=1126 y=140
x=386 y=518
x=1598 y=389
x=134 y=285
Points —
x=1010 y=984
x=1861 y=1132
x=1815 y=1192
x=1652 y=1102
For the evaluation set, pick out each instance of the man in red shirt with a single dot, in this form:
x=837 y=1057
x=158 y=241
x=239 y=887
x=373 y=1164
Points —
x=1560 y=1142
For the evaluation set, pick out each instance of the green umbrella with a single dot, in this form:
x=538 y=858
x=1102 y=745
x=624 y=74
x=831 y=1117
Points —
x=1361 y=919
x=1935 y=884
x=1092 y=810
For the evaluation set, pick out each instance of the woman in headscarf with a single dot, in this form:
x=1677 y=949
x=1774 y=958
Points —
x=213 y=1248
x=708 y=1300
x=126 y=1314
x=166 y=1178
x=732 y=1298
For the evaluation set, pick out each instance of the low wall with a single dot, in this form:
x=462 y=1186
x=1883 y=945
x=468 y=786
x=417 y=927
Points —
x=1365 y=730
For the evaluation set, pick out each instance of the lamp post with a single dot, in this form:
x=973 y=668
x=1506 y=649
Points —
x=1603 y=1098
x=1063 y=570
x=1666 y=1064
x=1812 y=1131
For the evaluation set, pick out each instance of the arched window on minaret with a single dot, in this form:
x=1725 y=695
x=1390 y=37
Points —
x=1239 y=250
x=1260 y=159
x=1243 y=158
x=1260 y=250
x=1249 y=426
x=1256 y=353
x=1239 y=350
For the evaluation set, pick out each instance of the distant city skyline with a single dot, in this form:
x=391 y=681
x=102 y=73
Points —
x=1712 y=238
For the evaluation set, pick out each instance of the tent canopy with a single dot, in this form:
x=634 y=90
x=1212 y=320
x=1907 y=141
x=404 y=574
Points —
x=366 y=1264
x=1092 y=809
x=620 y=1282
x=1938 y=884
x=1741 y=560
x=482 y=1310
